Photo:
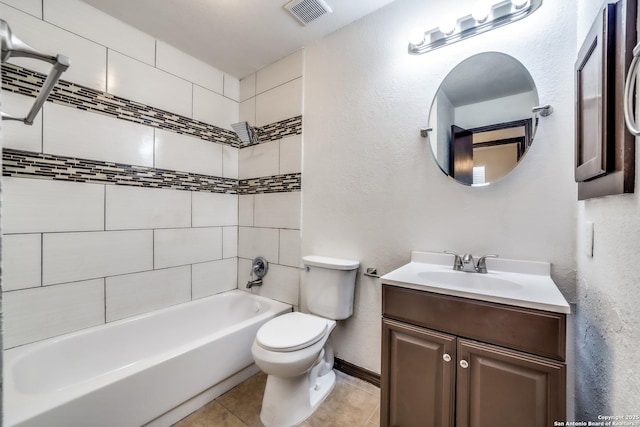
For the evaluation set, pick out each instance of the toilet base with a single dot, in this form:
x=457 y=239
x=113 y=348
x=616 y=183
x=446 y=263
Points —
x=290 y=401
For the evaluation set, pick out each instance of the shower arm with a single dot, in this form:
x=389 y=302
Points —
x=13 y=47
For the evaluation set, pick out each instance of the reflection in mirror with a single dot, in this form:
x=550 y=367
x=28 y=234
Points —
x=480 y=120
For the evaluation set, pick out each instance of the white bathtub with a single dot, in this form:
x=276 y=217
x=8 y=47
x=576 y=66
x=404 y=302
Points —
x=129 y=372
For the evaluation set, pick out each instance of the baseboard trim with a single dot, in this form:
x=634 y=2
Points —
x=357 y=371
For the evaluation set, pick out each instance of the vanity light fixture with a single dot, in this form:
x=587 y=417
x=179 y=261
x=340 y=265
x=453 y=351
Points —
x=486 y=16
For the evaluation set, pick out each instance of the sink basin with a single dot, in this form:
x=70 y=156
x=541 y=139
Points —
x=469 y=280
x=518 y=283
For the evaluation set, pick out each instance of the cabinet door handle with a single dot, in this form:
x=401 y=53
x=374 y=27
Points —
x=446 y=357
x=464 y=364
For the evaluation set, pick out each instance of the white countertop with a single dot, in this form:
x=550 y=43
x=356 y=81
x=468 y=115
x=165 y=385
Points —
x=521 y=283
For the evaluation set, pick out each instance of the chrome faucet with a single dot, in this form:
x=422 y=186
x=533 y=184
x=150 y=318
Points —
x=466 y=263
x=252 y=283
x=259 y=267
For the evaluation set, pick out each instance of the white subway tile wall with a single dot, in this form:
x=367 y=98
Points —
x=132 y=294
x=32 y=7
x=280 y=72
x=38 y=205
x=100 y=252
x=15 y=134
x=137 y=81
x=130 y=208
x=213 y=108
x=21 y=261
x=176 y=62
x=209 y=278
x=74 y=133
x=86 y=21
x=68 y=257
x=269 y=224
x=181 y=246
x=186 y=153
x=89 y=59
x=279 y=103
x=38 y=313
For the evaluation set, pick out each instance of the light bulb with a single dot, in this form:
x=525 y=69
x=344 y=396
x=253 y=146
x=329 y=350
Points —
x=519 y=4
x=447 y=24
x=416 y=35
x=481 y=10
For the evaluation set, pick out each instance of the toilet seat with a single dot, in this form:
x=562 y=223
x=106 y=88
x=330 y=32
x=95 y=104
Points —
x=291 y=332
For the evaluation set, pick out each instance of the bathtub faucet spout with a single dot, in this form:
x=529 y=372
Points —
x=252 y=283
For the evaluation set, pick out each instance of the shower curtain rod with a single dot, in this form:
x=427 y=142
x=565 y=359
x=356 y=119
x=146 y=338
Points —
x=13 y=47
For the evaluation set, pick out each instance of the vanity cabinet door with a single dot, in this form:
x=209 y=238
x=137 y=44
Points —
x=500 y=387
x=418 y=376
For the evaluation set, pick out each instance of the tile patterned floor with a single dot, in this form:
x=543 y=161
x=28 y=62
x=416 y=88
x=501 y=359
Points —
x=352 y=403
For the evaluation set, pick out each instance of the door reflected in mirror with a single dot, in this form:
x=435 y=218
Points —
x=481 y=120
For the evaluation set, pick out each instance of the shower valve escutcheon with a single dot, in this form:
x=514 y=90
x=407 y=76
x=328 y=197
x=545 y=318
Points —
x=467 y=264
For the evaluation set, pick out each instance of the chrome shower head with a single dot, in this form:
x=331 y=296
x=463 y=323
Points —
x=246 y=133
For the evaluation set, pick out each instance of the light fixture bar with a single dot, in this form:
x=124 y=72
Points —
x=502 y=13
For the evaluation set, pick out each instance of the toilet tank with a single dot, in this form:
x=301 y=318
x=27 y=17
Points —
x=330 y=284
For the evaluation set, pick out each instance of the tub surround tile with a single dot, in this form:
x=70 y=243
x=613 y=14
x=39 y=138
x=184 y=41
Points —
x=248 y=87
x=245 y=208
x=189 y=68
x=253 y=242
x=259 y=160
x=21 y=80
x=39 y=313
x=280 y=129
x=278 y=210
x=213 y=108
x=143 y=208
x=132 y=294
x=211 y=209
x=291 y=154
x=89 y=58
x=279 y=103
x=25 y=164
x=290 y=248
x=134 y=80
x=231 y=88
x=68 y=257
x=213 y=277
x=281 y=284
x=280 y=72
x=32 y=7
x=291 y=182
x=35 y=205
x=247 y=112
x=93 y=24
x=230 y=162
x=185 y=153
x=21 y=261
x=230 y=242
x=15 y=134
x=181 y=246
x=74 y=133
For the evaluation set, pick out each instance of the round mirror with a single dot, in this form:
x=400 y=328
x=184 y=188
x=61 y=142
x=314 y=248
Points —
x=481 y=120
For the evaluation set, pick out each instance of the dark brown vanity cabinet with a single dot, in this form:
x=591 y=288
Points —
x=441 y=365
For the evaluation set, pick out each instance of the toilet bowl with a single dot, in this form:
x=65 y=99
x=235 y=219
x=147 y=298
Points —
x=294 y=349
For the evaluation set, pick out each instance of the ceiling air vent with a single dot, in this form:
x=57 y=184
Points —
x=307 y=11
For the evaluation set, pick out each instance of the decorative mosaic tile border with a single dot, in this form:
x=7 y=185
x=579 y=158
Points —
x=27 y=82
x=271 y=184
x=27 y=164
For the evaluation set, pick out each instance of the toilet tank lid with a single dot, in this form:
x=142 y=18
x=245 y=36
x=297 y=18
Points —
x=332 y=263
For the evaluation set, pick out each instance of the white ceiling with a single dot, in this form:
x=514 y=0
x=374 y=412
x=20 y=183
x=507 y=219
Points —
x=238 y=37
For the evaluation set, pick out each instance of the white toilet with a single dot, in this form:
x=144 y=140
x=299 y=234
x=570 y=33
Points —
x=292 y=349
